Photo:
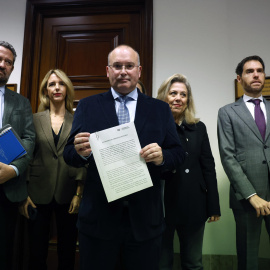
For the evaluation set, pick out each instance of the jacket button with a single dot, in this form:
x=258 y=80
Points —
x=264 y=162
x=265 y=147
x=186 y=170
x=186 y=153
x=55 y=157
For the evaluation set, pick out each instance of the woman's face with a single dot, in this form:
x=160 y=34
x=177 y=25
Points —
x=177 y=98
x=56 y=89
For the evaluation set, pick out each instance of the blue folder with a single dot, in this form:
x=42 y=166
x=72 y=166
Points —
x=11 y=146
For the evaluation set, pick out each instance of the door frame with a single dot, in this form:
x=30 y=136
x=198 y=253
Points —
x=37 y=10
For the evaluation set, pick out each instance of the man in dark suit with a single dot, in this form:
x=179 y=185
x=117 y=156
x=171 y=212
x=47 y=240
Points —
x=16 y=111
x=133 y=224
x=244 y=145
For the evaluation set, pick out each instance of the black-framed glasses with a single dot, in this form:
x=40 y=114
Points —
x=118 y=67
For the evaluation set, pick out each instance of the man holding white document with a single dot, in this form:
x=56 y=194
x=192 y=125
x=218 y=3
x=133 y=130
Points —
x=132 y=223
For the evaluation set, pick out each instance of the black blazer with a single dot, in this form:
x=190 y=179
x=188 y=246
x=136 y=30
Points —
x=191 y=194
x=154 y=123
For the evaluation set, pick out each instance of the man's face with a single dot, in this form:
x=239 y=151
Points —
x=123 y=78
x=252 y=78
x=6 y=64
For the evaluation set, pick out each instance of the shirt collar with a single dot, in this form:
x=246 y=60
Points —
x=2 y=89
x=133 y=94
x=247 y=98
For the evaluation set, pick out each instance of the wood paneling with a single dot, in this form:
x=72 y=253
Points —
x=76 y=36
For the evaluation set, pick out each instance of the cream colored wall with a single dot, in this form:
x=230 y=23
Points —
x=203 y=39
x=12 y=17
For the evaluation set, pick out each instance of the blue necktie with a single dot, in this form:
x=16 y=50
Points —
x=123 y=113
x=259 y=116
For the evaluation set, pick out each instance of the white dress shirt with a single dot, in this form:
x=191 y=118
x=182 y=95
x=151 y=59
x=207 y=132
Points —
x=251 y=105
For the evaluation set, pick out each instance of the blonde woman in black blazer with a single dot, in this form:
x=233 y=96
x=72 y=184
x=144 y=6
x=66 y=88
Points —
x=53 y=186
x=191 y=194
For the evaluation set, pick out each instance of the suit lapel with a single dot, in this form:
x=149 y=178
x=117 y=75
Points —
x=267 y=108
x=243 y=112
x=142 y=111
x=9 y=105
x=107 y=105
x=45 y=123
x=65 y=129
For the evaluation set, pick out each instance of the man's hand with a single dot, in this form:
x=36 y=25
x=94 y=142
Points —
x=213 y=218
x=23 y=209
x=6 y=173
x=261 y=206
x=82 y=144
x=152 y=153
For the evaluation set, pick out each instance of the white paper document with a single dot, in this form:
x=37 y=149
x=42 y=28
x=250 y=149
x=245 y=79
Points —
x=117 y=155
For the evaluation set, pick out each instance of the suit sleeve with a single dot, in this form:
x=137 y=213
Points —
x=233 y=169
x=26 y=133
x=209 y=174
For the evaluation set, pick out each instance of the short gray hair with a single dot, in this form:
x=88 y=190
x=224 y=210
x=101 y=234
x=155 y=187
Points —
x=10 y=47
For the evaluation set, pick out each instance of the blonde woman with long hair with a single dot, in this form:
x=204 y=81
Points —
x=53 y=186
x=190 y=194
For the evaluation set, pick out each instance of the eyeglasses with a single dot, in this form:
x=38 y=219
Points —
x=7 y=62
x=119 y=67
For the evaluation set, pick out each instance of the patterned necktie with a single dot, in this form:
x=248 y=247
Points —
x=259 y=116
x=123 y=114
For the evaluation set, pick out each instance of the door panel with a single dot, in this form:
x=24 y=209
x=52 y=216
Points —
x=79 y=43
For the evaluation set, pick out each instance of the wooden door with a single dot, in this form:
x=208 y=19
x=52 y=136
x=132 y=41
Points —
x=76 y=36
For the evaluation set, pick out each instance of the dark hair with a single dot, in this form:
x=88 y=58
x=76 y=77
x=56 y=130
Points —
x=10 y=47
x=240 y=66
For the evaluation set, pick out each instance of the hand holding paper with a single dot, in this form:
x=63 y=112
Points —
x=82 y=144
x=117 y=155
x=152 y=153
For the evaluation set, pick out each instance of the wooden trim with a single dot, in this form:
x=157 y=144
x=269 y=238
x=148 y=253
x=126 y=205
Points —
x=37 y=10
x=12 y=86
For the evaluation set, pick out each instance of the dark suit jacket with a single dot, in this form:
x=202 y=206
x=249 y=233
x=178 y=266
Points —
x=191 y=194
x=244 y=154
x=18 y=113
x=154 y=124
x=48 y=175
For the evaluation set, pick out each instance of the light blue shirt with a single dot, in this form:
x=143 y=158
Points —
x=131 y=103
